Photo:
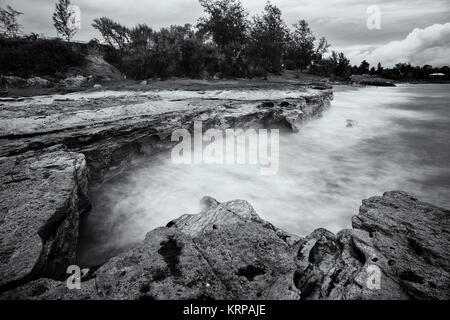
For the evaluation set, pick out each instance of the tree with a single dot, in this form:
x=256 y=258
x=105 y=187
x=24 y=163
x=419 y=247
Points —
x=114 y=34
x=227 y=24
x=268 y=36
x=141 y=37
x=64 y=19
x=364 y=67
x=321 y=49
x=9 y=26
x=301 y=48
x=379 y=69
x=341 y=65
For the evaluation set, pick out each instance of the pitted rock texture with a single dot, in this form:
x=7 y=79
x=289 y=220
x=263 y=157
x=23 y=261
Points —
x=228 y=252
x=241 y=259
x=41 y=196
x=408 y=241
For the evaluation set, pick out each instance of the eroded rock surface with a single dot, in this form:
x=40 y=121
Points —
x=41 y=196
x=239 y=259
x=111 y=127
x=406 y=240
x=228 y=252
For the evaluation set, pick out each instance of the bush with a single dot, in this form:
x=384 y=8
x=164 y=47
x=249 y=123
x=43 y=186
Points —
x=38 y=57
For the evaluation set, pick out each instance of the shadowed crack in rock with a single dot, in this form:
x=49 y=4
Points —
x=171 y=251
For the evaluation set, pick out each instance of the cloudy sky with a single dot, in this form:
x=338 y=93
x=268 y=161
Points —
x=416 y=31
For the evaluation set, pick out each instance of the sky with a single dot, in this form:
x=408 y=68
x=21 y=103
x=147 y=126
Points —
x=415 y=31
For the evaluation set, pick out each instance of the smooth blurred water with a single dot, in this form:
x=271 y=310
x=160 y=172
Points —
x=400 y=140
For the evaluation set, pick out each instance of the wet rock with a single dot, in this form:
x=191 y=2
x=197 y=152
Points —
x=53 y=147
x=240 y=259
x=37 y=82
x=369 y=80
x=166 y=265
x=42 y=196
x=411 y=241
x=398 y=249
x=112 y=130
x=404 y=241
x=208 y=202
x=18 y=82
x=351 y=123
x=244 y=251
x=49 y=289
x=73 y=82
x=226 y=213
x=15 y=82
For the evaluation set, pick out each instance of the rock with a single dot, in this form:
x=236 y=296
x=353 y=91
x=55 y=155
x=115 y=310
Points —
x=143 y=123
x=41 y=196
x=228 y=252
x=371 y=81
x=97 y=86
x=407 y=241
x=167 y=265
x=245 y=252
x=3 y=87
x=412 y=240
x=49 y=289
x=351 y=123
x=18 y=82
x=143 y=83
x=100 y=69
x=225 y=252
x=239 y=259
x=47 y=161
x=73 y=82
x=15 y=82
x=37 y=82
x=208 y=202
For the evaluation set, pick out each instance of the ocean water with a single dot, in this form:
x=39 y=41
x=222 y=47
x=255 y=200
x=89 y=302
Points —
x=399 y=139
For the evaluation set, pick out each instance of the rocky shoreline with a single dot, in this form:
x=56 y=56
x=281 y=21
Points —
x=52 y=148
x=228 y=252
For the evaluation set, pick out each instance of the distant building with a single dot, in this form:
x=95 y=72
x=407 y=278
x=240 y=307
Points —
x=437 y=75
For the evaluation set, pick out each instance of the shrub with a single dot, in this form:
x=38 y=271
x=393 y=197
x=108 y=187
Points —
x=37 y=57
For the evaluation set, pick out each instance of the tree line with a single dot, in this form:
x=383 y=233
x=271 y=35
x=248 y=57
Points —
x=401 y=71
x=225 y=42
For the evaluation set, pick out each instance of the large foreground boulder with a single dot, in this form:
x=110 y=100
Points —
x=399 y=248
x=42 y=196
x=238 y=259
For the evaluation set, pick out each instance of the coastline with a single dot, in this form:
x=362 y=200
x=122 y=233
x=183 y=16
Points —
x=55 y=161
